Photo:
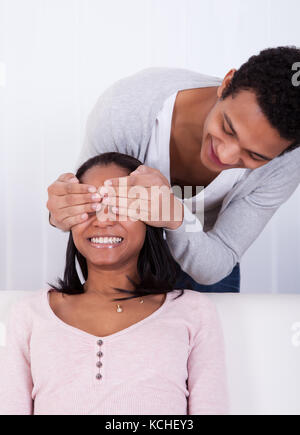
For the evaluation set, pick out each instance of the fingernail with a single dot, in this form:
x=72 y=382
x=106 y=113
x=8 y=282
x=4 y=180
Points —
x=103 y=191
x=108 y=183
x=84 y=216
x=96 y=196
x=73 y=180
x=97 y=207
x=92 y=189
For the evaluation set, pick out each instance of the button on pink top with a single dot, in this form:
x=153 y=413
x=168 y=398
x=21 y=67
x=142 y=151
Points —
x=170 y=363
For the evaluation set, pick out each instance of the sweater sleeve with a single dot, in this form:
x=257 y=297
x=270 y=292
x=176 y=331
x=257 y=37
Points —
x=207 y=378
x=15 y=375
x=99 y=136
x=115 y=123
x=208 y=257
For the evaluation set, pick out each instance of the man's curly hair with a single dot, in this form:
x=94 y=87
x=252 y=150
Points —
x=269 y=75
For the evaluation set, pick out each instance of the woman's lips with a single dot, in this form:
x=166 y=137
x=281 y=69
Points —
x=214 y=158
x=105 y=245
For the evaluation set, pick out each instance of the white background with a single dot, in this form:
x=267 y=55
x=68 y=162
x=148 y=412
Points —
x=57 y=56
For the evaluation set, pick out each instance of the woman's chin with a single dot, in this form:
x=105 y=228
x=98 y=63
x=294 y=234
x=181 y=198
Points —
x=113 y=263
x=102 y=257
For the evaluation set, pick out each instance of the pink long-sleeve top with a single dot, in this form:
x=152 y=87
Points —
x=170 y=363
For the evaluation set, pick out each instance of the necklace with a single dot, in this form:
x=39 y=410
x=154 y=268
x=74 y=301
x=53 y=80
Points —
x=120 y=309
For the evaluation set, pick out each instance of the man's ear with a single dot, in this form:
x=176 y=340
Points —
x=226 y=82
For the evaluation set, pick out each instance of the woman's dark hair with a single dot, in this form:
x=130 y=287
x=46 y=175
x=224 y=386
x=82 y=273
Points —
x=157 y=268
x=270 y=76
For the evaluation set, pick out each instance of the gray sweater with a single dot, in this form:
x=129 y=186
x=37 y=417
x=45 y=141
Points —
x=122 y=121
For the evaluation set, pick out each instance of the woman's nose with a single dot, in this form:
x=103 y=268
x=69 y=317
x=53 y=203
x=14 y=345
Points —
x=228 y=154
x=105 y=216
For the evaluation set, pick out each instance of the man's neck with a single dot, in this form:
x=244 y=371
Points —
x=189 y=115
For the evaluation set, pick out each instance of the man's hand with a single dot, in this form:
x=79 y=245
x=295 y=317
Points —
x=144 y=195
x=69 y=201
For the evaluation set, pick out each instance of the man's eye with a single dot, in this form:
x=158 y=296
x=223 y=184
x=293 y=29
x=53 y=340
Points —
x=256 y=158
x=230 y=134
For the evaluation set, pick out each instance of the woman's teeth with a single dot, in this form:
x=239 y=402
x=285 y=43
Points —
x=106 y=240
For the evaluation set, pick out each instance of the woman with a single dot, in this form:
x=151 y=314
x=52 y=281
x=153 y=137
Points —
x=83 y=349
x=236 y=137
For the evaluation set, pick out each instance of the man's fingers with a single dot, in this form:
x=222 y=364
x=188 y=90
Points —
x=77 y=210
x=71 y=222
x=77 y=199
x=60 y=188
x=140 y=170
x=131 y=213
x=134 y=192
x=144 y=204
x=137 y=188
x=67 y=177
x=146 y=180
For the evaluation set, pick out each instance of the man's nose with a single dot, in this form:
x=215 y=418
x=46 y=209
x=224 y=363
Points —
x=228 y=153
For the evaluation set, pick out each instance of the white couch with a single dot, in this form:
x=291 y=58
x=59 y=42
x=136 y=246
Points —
x=262 y=334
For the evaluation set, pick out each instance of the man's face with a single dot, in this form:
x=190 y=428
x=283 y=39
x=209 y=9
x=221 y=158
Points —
x=237 y=134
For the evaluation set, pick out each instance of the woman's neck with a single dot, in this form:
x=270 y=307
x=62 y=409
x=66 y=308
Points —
x=103 y=282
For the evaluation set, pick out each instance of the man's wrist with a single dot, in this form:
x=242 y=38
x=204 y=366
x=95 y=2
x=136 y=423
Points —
x=174 y=225
x=178 y=215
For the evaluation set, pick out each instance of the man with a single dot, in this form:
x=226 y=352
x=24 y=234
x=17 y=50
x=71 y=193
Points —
x=238 y=137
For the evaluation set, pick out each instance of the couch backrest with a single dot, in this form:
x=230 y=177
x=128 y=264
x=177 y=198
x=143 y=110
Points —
x=262 y=337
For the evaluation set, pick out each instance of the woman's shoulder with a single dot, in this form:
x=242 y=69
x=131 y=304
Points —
x=30 y=301
x=196 y=310
x=23 y=308
x=193 y=301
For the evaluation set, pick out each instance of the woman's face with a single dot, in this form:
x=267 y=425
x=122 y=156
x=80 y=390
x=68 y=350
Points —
x=88 y=236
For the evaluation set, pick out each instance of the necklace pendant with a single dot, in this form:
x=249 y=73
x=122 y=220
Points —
x=119 y=308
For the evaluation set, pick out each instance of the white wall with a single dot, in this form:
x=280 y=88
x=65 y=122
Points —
x=59 y=55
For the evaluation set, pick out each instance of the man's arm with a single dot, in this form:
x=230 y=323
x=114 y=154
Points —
x=68 y=201
x=209 y=257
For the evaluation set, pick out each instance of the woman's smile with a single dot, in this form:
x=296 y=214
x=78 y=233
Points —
x=106 y=242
